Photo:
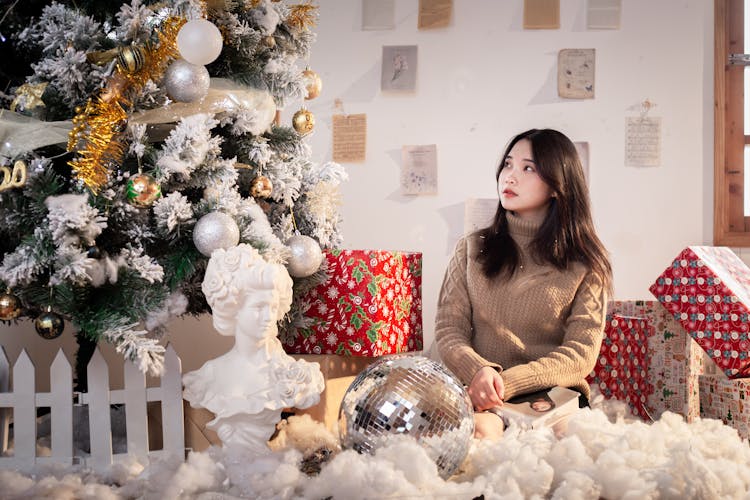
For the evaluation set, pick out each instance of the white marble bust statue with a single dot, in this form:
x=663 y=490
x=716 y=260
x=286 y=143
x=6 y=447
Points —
x=247 y=387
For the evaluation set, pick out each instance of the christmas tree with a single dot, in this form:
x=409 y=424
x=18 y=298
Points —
x=136 y=139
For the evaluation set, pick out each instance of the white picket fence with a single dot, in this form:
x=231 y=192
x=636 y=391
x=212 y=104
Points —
x=24 y=401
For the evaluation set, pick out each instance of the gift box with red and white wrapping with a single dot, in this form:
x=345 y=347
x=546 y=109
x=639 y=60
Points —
x=707 y=289
x=622 y=369
x=726 y=400
x=370 y=305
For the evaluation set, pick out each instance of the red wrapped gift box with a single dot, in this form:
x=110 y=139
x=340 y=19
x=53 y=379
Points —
x=370 y=305
x=707 y=289
x=622 y=369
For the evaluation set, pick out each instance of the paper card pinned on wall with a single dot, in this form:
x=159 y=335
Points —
x=399 y=70
x=583 y=154
x=349 y=138
x=541 y=14
x=419 y=170
x=575 y=73
x=479 y=213
x=642 y=141
x=378 y=14
x=603 y=14
x=434 y=14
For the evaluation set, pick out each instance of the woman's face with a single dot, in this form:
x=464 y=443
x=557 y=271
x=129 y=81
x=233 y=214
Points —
x=522 y=189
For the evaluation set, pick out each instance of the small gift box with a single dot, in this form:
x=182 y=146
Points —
x=370 y=305
x=622 y=369
x=707 y=289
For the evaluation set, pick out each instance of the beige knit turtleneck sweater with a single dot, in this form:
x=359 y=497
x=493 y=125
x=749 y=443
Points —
x=541 y=328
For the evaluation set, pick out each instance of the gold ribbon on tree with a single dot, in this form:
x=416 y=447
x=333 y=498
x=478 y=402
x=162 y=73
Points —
x=96 y=127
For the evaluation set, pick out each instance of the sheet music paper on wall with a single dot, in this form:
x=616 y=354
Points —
x=603 y=14
x=642 y=141
x=479 y=213
x=349 y=138
x=434 y=14
x=575 y=73
x=419 y=169
x=541 y=14
x=378 y=14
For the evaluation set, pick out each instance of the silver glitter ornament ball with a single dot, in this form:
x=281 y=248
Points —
x=215 y=230
x=186 y=82
x=306 y=256
x=411 y=395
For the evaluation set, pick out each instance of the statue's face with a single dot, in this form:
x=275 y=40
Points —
x=258 y=314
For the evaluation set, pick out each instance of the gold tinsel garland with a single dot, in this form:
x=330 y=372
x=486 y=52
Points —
x=96 y=127
x=302 y=16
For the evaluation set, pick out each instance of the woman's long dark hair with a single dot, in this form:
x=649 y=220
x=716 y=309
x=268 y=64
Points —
x=567 y=233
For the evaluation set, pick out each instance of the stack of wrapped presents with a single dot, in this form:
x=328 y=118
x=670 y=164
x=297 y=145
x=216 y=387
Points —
x=698 y=354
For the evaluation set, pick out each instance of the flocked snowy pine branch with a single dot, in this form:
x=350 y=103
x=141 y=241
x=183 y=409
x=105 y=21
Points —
x=107 y=265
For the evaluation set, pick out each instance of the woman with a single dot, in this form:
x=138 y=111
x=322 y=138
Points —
x=523 y=301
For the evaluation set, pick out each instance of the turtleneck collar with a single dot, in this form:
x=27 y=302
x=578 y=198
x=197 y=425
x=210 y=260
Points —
x=523 y=230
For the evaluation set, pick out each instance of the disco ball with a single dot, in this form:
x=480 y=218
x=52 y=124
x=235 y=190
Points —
x=411 y=395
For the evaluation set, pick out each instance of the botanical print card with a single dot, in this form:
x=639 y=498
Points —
x=575 y=73
x=399 y=71
x=419 y=169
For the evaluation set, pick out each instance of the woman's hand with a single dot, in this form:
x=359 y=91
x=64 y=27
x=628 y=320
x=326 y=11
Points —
x=486 y=389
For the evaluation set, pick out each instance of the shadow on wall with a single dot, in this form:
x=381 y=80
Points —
x=454 y=219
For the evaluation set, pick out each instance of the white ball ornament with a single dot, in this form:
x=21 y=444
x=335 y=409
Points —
x=306 y=256
x=199 y=42
x=213 y=231
x=186 y=82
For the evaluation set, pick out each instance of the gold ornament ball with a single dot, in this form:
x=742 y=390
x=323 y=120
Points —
x=49 y=325
x=303 y=121
x=314 y=84
x=269 y=42
x=10 y=306
x=143 y=190
x=261 y=187
x=131 y=58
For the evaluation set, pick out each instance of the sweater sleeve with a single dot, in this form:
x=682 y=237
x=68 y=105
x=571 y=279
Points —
x=453 y=323
x=570 y=363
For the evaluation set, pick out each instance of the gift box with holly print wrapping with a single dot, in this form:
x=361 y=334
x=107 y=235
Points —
x=370 y=305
